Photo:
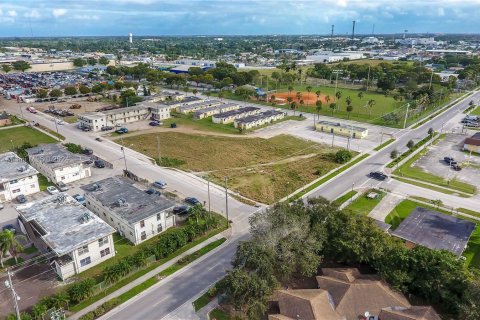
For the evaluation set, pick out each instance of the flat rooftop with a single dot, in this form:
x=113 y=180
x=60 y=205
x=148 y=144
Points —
x=232 y=113
x=55 y=155
x=92 y=115
x=342 y=125
x=187 y=99
x=12 y=167
x=130 y=203
x=127 y=109
x=435 y=230
x=66 y=224
x=206 y=103
x=262 y=115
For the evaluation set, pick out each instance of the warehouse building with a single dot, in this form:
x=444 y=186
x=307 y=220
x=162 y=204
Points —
x=16 y=177
x=74 y=236
x=341 y=129
x=136 y=215
x=256 y=120
x=56 y=163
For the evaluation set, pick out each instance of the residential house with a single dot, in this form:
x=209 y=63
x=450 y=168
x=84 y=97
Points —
x=69 y=233
x=342 y=129
x=56 y=163
x=136 y=215
x=16 y=177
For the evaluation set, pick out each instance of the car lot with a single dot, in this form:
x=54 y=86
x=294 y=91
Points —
x=435 y=163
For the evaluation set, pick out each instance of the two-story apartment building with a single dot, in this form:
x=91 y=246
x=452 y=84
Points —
x=158 y=111
x=135 y=214
x=73 y=236
x=96 y=120
x=56 y=163
x=16 y=177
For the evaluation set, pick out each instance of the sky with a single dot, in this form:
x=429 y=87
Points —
x=42 y=18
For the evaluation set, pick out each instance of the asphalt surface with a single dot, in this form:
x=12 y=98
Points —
x=172 y=293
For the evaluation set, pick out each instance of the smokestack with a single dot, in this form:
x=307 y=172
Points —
x=353 y=29
x=130 y=38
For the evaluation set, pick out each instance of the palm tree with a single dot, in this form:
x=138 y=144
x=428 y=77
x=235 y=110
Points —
x=318 y=93
x=309 y=89
x=327 y=98
x=360 y=95
x=293 y=106
x=9 y=242
x=195 y=91
x=349 y=110
x=60 y=300
x=338 y=95
x=319 y=108
x=333 y=106
x=370 y=105
x=290 y=89
x=38 y=311
x=348 y=100
x=299 y=95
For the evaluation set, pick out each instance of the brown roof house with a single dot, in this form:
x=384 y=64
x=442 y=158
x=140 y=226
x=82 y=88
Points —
x=473 y=143
x=5 y=119
x=345 y=294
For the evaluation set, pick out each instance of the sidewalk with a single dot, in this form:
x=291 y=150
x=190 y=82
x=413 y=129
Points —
x=224 y=234
x=385 y=206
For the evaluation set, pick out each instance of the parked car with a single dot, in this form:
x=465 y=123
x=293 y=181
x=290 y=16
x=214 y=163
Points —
x=1 y=206
x=9 y=227
x=99 y=139
x=88 y=151
x=31 y=109
x=173 y=125
x=86 y=129
x=122 y=130
x=449 y=160
x=456 y=167
x=378 y=175
x=80 y=199
x=107 y=128
x=181 y=210
x=21 y=198
x=154 y=123
x=52 y=190
x=99 y=164
x=192 y=201
x=152 y=191
x=62 y=186
x=160 y=184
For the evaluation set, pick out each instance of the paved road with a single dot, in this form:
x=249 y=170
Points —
x=169 y=295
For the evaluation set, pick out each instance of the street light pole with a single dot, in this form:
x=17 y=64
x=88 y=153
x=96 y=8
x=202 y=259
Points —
x=226 y=200
x=124 y=158
x=15 y=297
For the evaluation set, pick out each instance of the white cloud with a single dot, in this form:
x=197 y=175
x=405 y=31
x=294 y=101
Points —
x=441 y=12
x=32 y=14
x=12 y=13
x=59 y=12
x=86 y=17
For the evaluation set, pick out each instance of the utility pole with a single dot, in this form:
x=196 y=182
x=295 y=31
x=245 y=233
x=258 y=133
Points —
x=353 y=30
x=124 y=158
x=368 y=77
x=331 y=38
x=15 y=297
x=226 y=200
x=158 y=151
x=56 y=126
x=333 y=138
x=208 y=192
x=431 y=78
x=406 y=116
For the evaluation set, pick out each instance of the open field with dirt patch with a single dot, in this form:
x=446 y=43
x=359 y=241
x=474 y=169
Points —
x=257 y=168
x=308 y=98
x=15 y=137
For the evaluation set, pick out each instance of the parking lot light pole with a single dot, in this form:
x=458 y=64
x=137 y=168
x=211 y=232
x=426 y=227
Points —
x=226 y=200
x=124 y=158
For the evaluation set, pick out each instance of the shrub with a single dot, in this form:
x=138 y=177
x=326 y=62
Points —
x=343 y=156
x=81 y=290
x=88 y=316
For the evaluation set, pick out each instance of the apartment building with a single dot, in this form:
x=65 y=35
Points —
x=185 y=109
x=96 y=120
x=230 y=116
x=75 y=238
x=259 y=119
x=56 y=163
x=16 y=177
x=210 y=111
x=136 y=215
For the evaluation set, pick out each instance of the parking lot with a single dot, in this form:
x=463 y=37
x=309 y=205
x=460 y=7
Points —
x=451 y=147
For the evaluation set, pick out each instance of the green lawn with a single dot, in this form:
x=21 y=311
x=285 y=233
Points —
x=427 y=186
x=219 y=314
x=410 y=171
x=364 y=205
x=30 y=250
x=472 y=253
x=20 y=135
x=384 y=144
x=43 y=182
x=475 y=112
x=347 y=196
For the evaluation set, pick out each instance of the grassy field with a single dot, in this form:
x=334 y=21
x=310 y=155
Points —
x=472 y=253
x=363 y=204
x=264 y=170
x=347 y=196
x=475 y=112
x=20 y=135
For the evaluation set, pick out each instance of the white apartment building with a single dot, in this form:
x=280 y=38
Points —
x=158 y=111
x=56 y=163
x=136 y=215
x=96 y=120
x=16 y=177
x=76 y=239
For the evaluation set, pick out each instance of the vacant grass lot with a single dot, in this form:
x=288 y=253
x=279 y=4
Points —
x=472 y=253
x=475 y=112
x=264 y=170
x=20 y=135
x=363 y=204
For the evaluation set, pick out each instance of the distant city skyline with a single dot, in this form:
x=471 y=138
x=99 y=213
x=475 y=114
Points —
x=49 y=18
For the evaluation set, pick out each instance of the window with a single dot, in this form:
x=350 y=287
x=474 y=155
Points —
x=159 y=228
x=103 y=241
x=32 y=186
x=131 y=233
x=143 y=235
x=16 y=190
x=83 y=250
x=142 y=224
x=159 y=216
x=85 y=261
x=104 y=252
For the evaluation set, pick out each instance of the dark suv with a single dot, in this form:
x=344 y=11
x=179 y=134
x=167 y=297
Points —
x=378 y=175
